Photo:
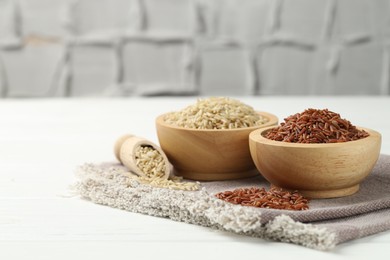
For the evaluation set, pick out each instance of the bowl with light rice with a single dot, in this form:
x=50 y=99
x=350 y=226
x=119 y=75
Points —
x=209 y=139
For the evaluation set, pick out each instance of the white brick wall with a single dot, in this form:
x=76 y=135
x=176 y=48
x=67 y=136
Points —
x=158 y=68
x=9 y=24
x=225 y=69
x=209 y=47
x=31 y=69
x=93 y=70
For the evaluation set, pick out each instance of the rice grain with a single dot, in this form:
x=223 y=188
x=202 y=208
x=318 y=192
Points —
x=152 y=164
x=216 y=113
x=316 y=126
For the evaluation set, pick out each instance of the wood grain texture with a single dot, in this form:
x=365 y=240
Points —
x=200 y=154
x=316 y=170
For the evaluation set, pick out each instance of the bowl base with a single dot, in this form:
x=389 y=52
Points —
x=222 y=176
x=327 y=194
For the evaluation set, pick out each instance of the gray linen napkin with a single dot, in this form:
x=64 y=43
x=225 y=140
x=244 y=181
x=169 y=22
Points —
x=327 y=223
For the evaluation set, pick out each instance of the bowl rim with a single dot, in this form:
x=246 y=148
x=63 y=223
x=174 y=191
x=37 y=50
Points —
x=257 y=136
x=273 y=121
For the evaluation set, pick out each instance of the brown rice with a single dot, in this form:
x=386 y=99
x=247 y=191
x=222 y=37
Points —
x=152 y=164
x=316 y=126
x=150 y=161
x=216 y=113
x=275 y=198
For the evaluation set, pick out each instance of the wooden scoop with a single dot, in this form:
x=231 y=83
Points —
x=125 y=149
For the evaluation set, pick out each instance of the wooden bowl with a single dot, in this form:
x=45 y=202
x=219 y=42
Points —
x=315 y=170
x=209 y=154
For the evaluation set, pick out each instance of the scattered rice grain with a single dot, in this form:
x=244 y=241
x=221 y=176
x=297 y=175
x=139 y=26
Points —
x=275 y=198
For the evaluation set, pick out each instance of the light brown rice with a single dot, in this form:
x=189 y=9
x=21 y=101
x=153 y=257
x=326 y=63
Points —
x=150 y=161
x=152 y=164
x=216 y=113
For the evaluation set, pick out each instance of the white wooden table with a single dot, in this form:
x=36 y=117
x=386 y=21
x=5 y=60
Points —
x=42 y=142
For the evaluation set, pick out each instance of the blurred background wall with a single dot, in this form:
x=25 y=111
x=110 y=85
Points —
x=185 y=47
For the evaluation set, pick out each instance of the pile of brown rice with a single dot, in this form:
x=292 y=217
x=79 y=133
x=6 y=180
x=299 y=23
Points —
x=216 y=113
x=316 y=126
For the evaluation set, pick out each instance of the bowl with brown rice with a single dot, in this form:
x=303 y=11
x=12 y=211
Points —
x=209 y=139
x=317 y=153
